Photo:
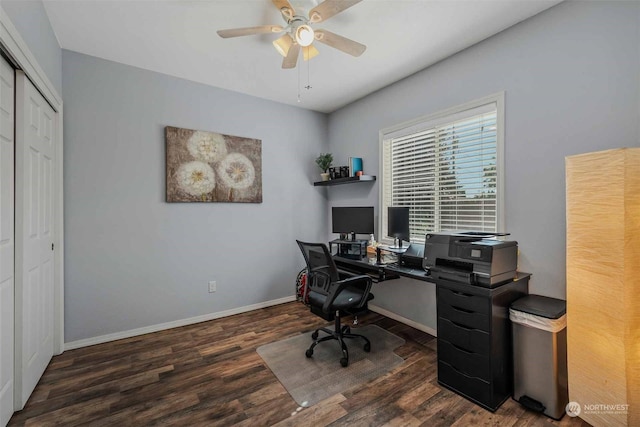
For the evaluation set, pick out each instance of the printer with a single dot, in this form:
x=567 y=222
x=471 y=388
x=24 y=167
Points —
x=470 y=257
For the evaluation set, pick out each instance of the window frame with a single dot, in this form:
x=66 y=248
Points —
x=435 y=119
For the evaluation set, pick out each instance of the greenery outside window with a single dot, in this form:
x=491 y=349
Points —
x=447 y=168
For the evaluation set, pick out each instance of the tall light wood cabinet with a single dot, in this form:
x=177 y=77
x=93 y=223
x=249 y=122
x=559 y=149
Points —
x=603 y=285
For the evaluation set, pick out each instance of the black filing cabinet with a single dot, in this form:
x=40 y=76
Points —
x=474 y=339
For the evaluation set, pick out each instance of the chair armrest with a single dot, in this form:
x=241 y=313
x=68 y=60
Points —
x=340 y=285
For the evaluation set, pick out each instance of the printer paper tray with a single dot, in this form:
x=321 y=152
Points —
x=471 y=278
x=452 y=275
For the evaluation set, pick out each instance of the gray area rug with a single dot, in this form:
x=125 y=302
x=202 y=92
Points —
x=310 y=380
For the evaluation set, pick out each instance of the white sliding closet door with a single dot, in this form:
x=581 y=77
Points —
x=35 y=150
x=7 y=243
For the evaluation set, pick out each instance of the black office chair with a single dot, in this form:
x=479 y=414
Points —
x=330 y=297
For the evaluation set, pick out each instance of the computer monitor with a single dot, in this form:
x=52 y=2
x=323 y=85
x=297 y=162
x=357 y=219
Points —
x=354 y=220
x=398 y=225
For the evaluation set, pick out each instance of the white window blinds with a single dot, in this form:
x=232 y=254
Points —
x=445 y=171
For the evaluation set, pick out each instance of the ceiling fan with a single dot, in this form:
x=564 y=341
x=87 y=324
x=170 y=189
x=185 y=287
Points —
x=298 y=32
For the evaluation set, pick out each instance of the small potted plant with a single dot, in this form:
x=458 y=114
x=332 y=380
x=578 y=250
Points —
x=324 y=161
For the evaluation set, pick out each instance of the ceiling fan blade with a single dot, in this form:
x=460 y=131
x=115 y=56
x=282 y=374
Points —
x=285 y=7
x=291 y=59
x=341 y=43
x=249 y=31
x=328 y=8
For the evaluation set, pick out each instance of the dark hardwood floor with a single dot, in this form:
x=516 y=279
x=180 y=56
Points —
x=209 y=374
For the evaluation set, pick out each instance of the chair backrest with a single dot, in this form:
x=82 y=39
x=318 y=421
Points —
x=321 y=270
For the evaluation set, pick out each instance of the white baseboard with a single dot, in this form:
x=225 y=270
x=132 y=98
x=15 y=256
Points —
x=175 y=324
x=408 y=322
x=211 y=316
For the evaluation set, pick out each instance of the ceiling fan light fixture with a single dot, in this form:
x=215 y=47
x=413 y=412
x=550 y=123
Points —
x=304 y=35
x=299 y=35
x=283 y=44
x=309 y=52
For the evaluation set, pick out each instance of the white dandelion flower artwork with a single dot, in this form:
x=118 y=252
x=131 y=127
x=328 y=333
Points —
x=237 y=171
x=207 y=146
x=204 y=166
x=196 y=178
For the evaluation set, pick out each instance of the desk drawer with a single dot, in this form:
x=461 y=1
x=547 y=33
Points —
x=469 y=339
x=465 y=300
x=464 y=316
x=473 y=388
x=466 y=362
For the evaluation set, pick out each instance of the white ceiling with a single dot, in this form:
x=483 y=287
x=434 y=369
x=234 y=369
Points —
x=178 y=37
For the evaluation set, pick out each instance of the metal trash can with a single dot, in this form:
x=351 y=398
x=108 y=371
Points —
x=539 y=328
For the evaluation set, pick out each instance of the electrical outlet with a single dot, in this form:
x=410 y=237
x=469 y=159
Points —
x=212 y=286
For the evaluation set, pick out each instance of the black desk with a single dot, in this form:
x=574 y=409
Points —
x=366 y=265
x=474 y=331
x=388 y=269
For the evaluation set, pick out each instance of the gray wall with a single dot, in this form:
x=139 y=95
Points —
x=133 y=260
x=31 y=20
x=571 y=77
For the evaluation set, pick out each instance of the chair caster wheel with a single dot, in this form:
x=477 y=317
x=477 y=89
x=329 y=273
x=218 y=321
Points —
x=309 y=353
x=367 y=347
x=314 y=336
x=344 y=362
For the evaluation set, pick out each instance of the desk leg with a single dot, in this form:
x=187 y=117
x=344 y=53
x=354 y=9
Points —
x=378 y=259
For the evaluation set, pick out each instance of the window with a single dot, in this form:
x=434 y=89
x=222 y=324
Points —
x=447 y=169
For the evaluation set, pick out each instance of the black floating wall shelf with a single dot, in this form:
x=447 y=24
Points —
x=349 y=180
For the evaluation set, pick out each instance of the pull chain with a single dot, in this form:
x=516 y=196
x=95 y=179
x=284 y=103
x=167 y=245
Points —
x=308 y=86
x=298 y=82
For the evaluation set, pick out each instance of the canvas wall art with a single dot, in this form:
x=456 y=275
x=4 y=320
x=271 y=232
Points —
x=211 y=167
